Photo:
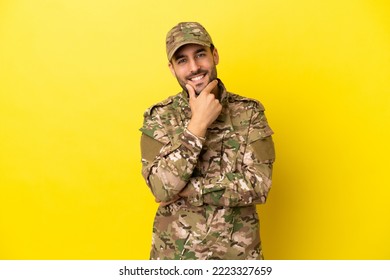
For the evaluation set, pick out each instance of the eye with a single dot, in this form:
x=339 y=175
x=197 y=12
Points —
x=181 y=61
x=201 y=54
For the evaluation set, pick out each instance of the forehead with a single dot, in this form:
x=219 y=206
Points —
x=189 y=49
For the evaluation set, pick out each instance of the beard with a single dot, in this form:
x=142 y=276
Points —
x=212 y=76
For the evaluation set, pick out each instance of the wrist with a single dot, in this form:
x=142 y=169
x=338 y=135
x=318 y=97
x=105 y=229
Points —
x=197 y=129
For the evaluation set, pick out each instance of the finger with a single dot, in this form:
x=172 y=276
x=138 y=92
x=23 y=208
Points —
x=210 y=86
x=191 y=91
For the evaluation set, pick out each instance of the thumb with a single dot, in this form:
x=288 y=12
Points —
x=191 y=91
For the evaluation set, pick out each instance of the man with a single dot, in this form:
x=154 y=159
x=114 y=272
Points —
x=207 y=157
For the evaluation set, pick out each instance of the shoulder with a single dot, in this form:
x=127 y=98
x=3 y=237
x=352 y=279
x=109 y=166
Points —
x=247 y=103
x=246 y=112
x=165 y=105
x=152 y=124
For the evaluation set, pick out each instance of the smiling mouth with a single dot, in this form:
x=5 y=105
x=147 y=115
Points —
x=197 y=78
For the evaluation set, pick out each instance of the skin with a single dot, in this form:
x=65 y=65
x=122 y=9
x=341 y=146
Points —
x=193 y=60
x=194 y=67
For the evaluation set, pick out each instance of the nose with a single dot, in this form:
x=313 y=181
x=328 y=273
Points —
x=194 y=66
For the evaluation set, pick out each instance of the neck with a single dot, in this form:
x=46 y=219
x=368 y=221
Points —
x=216 y=91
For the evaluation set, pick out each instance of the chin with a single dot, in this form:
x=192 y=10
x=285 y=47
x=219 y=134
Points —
x=200 y=87
x=198 y=91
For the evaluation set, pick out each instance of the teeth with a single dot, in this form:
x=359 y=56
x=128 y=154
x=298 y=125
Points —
x=197 y=78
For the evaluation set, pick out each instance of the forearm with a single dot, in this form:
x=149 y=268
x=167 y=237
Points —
x=232 y=189
x=249 y=183
x=168 y=173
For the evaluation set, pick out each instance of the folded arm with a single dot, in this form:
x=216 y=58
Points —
x=167 y=168
x=250 y=186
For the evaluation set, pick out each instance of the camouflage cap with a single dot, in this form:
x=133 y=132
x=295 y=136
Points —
x=186 y=33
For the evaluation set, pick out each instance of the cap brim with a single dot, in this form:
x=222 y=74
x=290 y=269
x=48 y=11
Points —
x=197 y=42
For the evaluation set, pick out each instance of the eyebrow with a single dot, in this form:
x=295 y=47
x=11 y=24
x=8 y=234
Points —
x=178 y=56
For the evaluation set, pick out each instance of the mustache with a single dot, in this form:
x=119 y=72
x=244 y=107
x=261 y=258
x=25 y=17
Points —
x=193 y=74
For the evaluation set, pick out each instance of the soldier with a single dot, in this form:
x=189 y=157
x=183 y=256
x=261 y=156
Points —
x=207 y=157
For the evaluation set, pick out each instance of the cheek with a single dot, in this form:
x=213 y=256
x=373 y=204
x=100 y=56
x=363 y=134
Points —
x=181 y=74
x=210 y=65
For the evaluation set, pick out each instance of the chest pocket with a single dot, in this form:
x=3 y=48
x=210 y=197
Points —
x=221 y=153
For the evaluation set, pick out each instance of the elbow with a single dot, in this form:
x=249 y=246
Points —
x=260 y=192
x=262 y=199
x=162 y=196
x=263 y=194
x=165 y=191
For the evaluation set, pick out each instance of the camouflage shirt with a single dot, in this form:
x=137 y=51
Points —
x=224 y=175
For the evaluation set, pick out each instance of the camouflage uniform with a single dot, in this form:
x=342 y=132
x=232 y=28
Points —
x=226 y=174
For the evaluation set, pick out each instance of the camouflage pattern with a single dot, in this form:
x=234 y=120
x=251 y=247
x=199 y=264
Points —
x=226 y=175
x=185 y=232
x=186 y=33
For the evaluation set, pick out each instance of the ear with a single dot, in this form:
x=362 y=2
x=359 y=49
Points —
x=215 y=56
x=172 y=69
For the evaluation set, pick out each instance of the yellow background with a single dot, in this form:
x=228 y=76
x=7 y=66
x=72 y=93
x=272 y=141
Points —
x=76 y=76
